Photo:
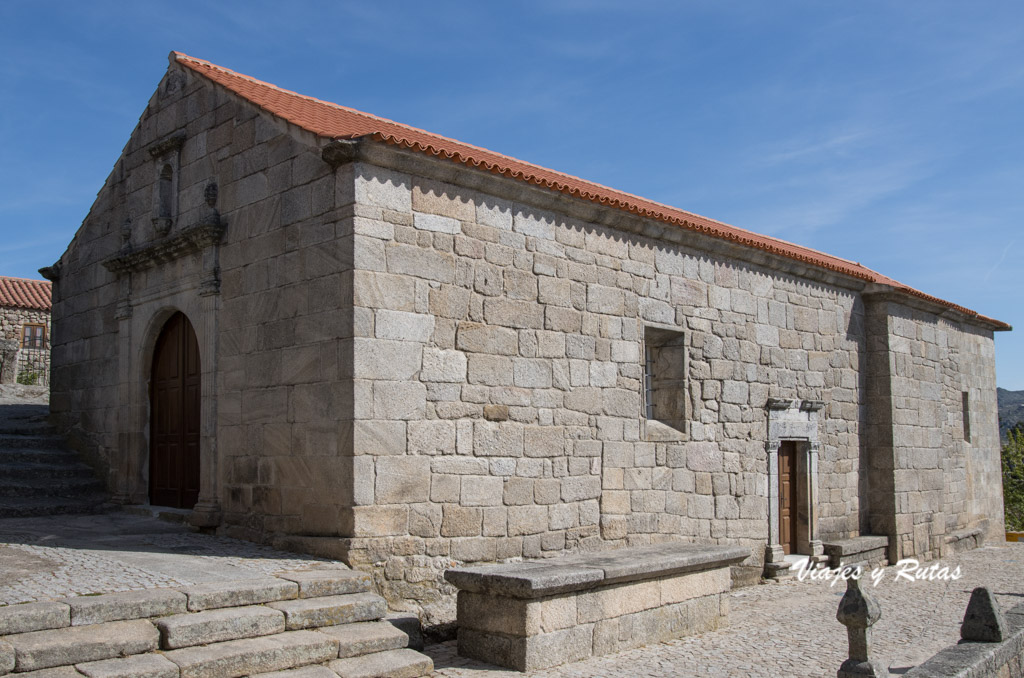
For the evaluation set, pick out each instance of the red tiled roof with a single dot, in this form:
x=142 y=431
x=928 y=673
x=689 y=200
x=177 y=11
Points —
x=23 y=293
x=330 y=120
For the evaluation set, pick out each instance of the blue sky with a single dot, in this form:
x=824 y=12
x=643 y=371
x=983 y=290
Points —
x=889 y=133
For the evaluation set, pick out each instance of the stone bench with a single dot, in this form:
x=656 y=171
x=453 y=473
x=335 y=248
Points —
x=868 y=551
x=533 y=615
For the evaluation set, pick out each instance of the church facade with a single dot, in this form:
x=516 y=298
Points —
x=326 y=330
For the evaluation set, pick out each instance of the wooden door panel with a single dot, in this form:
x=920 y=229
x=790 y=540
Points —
x=175 y=417
x=787 y=497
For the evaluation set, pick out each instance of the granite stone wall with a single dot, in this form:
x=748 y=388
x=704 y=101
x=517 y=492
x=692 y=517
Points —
x=30 y=361
x=428 y=365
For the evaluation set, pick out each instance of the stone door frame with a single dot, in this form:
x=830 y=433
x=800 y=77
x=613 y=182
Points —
x=138 y=331
x=795 y=421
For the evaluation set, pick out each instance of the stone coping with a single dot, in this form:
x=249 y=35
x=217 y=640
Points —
x=578 y=572
x=846 y=547
x=968 y=533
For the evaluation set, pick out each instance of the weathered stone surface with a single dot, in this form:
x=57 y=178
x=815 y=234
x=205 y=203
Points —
x=330 y=610
x=983 y=621
x=214 y=626
x=409 y=624
x=584 y=571
x=74 y=645
x=219 y=594
x=304 y=672
x=139 y=666
x=328 y=582
x=86 y=610
x=254 y=655
x=59 y=672
x=6 y=657
x=365 y=637
x=391 y=664
x=34 y=617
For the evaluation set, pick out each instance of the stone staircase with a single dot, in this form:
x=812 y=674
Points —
x=39 y=475
x=320 y=623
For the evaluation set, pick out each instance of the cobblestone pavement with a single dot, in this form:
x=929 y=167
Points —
x=58 y=556
x=790 y=628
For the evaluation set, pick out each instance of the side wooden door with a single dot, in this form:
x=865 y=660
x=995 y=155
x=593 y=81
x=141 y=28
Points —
x=174 y=424
x=787 y=497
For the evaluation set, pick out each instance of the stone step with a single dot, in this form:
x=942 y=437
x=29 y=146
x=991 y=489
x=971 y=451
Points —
x=34 y=441
x=215 y=626
x=49 y=487
x=389 y=664
x=79 y=644
x=27 y=507
x=109 y=607
x=221 y=594
x=28 y=617
x=308 y=613
x=304 y=672
x=329 y=582
x=234 y=658
x=28 y=469
x=37 y=454
x=137 y=666
x=361 y=638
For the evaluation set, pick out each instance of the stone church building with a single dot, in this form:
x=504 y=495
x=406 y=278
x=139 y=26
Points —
x=326 y=330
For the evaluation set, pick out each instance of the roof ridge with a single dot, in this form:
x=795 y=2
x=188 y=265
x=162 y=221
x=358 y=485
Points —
x=339 y=121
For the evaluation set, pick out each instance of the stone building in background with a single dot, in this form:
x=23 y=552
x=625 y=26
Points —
x=24 y=331
x=329 y=331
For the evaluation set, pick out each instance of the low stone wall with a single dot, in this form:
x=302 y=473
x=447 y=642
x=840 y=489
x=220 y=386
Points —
x=866 y=551
x=968 y=659
x=535 y=615
x=963 y=540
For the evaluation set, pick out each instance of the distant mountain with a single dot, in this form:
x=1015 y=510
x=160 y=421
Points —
x=1011 y=409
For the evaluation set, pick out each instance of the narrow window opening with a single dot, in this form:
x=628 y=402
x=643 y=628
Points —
x=965 y=402
x=665 y=394
x=166 y=181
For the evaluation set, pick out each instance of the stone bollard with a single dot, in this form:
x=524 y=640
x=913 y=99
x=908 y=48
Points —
x=8 y=361
x=983 y=621
x=858 y=612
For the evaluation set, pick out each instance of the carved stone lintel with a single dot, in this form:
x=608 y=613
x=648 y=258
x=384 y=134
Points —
x=340 y=151
x=189 y=241
x=780 y=403
x=165 y=146
x=811 y=405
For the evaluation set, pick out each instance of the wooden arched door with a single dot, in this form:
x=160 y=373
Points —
x=174 y=422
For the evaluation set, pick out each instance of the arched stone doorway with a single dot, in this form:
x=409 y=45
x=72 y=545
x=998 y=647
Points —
x=175 y=413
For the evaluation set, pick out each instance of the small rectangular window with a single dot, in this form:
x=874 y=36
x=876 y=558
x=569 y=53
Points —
x=33 y=336
x=665 y=394
x=965 y=402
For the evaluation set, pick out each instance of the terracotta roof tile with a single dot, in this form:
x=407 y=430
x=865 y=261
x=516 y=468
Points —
x=330 y=120
x=23 y=293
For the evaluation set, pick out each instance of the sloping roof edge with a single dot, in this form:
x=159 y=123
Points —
x=333 y=121
x=35 y=295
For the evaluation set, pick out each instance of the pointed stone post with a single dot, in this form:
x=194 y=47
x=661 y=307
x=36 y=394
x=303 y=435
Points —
x=858 y=612
x=983 y=621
